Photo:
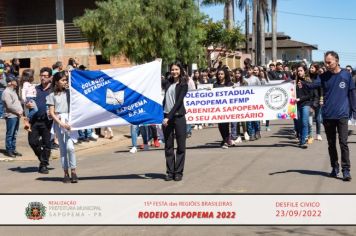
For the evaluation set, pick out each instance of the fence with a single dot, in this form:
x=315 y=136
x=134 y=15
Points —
x=38 y=34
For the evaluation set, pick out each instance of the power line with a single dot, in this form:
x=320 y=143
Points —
x=313 y=16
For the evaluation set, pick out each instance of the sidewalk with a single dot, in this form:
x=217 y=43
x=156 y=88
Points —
x=24 y=148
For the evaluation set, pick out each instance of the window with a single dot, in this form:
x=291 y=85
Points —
x=25 y=62
x=101 y=61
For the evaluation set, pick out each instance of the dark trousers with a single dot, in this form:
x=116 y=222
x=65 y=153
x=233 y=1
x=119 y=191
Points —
x=177 y=127
x=40 y=140
x=224 y=131
x=153 y=132
x=341 y=127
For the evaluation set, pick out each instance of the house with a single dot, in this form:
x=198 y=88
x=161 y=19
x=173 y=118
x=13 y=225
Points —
x=233 y=59
x=40 y=33
x=287 y=49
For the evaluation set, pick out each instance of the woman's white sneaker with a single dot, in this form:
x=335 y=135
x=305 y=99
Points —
x=319 y=138
x=133 y=150
x=247 y=137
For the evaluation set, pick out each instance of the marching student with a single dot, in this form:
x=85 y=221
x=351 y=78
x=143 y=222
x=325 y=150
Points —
x=224 y=80
x=313 y=73
x=238 y=81
x=58 y=102
x=174 y=122
x=195 y=78
x=135 y=129
x=304 y=102
x=253 y=127
x=191 y=86
x=262 y=75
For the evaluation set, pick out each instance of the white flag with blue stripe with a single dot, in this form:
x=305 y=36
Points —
x=114 y=97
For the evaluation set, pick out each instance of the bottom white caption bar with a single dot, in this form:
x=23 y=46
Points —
x=178 y=209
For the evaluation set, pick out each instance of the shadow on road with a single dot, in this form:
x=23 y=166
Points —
x=290 y=137
x=2 y=151
x=303 y=172
x=216 y=144
x=284 y=132
x=245 y=145
x=109 y=177
x=30 y=169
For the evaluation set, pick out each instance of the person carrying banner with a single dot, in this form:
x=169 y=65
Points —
x=174 y=122
x=224 y=80
x=58 y=102
x=238 y=81
x=253 y=127
x=339 y=102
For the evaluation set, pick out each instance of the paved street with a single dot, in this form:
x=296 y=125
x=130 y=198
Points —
x=273 y=164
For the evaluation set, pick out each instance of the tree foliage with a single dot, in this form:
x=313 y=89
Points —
x=220 y=38
x=143 y=30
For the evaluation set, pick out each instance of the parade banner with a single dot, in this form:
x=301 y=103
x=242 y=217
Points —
x=115 y=97
x=187 y=209
x=250 y=103
x=205 y=86
x=274 y=82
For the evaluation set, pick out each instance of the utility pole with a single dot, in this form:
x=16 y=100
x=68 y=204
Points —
x=247 y=27
x=254 y=32
x=274 y=30
x=262 y=44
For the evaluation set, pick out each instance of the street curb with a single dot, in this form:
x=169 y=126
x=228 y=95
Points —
x=28 y=155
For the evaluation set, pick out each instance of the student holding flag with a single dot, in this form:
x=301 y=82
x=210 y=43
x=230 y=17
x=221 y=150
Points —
x=58 y=102
x=174 y=122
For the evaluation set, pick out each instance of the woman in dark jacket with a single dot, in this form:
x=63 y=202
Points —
x=304 y=102
x=313 y=72
x=174 y=122
x=224 y=80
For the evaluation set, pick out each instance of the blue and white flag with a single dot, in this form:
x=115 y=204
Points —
x=115 y=97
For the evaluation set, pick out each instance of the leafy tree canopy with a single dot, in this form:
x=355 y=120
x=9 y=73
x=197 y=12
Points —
x=143 y=30
x=218 y=36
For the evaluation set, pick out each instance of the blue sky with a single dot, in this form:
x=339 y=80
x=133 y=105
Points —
x=328 y=34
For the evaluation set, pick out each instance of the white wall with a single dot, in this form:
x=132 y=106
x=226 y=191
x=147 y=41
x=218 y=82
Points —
x=290 y=54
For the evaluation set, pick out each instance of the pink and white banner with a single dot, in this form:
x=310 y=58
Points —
x=241 y=104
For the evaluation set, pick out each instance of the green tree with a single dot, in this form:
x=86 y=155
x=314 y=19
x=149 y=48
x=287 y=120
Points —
x=220 y=38
x=143 y=30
